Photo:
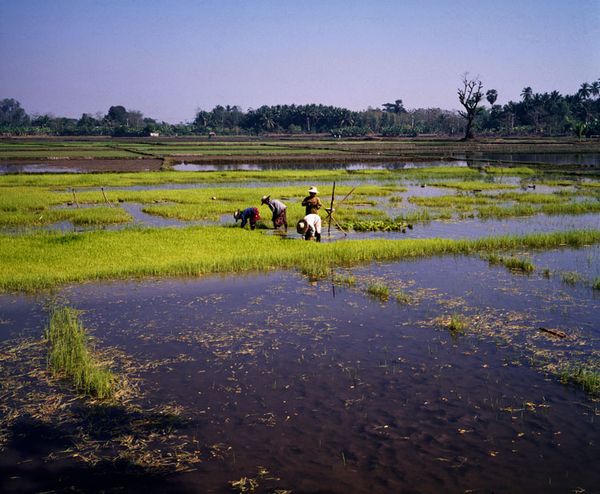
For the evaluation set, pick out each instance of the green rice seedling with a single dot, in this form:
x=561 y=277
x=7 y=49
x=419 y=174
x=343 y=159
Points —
x=348 y=280
x=457 y=324
x=69 y=355
x=596 y=283
x=395 y=199
x=546 y=273
x=474 y=185
x=588 y=379
x=570 y=277
x=531 y=198
x=315 y=270
x=512 y=263
x=47 y=259
x=513 y=171
x=379 y=291
x=402 y=297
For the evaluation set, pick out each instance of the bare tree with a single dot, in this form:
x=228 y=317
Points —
x=470 y=95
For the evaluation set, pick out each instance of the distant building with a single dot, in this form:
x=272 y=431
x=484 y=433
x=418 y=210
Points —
x=154 y=134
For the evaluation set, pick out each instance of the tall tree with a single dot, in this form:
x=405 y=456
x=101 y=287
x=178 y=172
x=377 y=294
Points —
x=396 y=107
x=470 y=96
x=491 y=95
x=12 y=114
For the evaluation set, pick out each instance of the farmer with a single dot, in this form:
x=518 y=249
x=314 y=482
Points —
x=310 y=226
x=247 y=215
x=311 y=202
x=278 y=209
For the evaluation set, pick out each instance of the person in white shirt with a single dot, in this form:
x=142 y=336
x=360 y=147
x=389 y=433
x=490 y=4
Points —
x=310 y=226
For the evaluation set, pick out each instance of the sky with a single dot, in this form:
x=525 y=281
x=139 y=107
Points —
x=169 y=58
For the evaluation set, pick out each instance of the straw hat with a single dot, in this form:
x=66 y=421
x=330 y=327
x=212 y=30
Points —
x=264 y=199
x=301 y=227
x=313 y=190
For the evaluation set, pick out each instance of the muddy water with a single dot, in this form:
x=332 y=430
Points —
x=333 y=391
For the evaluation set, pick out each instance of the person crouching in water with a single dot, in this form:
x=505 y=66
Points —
x=248 y=215
x=310 y=226
x=279 y=210
x=311 y=202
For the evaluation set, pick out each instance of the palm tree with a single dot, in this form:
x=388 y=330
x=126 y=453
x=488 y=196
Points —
x=527 y=94
x=491 y=95
x=584 y=91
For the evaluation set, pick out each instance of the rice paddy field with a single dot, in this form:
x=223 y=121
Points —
x=444 y=336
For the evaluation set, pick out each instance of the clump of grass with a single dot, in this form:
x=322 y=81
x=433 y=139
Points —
x=315 y=270
x=588 y=379
x=513 y=263
x=570 y=277
x=379 y=291
x=69 y=355
x=344 y=280
x=402 y=297
x=457 y=324
x=596 y=283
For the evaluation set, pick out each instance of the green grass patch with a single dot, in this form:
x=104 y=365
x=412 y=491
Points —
x=586 y=378
x=513 y=263
x=69 y=355
x=379 y=291
x=474 y=185
x=570 y=277
x=457 y=324
x=512 y=171
x=46 y=259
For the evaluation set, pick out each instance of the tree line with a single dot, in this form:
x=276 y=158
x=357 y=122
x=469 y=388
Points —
x=534 y=114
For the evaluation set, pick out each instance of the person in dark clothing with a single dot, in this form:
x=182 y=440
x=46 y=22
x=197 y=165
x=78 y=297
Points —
x=311 y=202
x=248 y=215
x=279 y=210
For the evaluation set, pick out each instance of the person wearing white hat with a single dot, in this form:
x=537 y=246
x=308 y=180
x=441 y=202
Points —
x=310 y=226
x=311 y=202
x=279 y=210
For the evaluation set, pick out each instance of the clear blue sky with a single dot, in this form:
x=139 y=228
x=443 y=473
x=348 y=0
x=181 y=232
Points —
x=168 y=58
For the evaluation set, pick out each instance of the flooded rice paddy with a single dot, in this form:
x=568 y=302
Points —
x=283 y=385
x=362 y=382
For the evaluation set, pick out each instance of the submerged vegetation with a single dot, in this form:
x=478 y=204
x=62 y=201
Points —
x=70 y=356
x=586 y=378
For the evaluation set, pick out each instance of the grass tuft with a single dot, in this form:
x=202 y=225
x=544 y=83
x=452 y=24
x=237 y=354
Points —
x=587 y=379
x=457 y=324
x=379 y=291
x=70 y=357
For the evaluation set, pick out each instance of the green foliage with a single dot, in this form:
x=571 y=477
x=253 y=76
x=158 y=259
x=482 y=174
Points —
x=379 y=291
x=570 y=277
x=512 y=263
x=457 y=324
x=69 y=355
x=586 y=378
x=42 y=260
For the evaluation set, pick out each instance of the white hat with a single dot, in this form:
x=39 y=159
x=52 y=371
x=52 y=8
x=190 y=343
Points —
x=264 y=199
x=312 y=190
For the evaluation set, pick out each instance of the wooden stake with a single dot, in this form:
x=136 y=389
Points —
x=74 y=197
x=106 y=198
x=331 y=209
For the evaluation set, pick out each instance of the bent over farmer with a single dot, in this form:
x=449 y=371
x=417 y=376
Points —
x=279 y=210
x=248 y=215
x=311 y=202
x=310 y=226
